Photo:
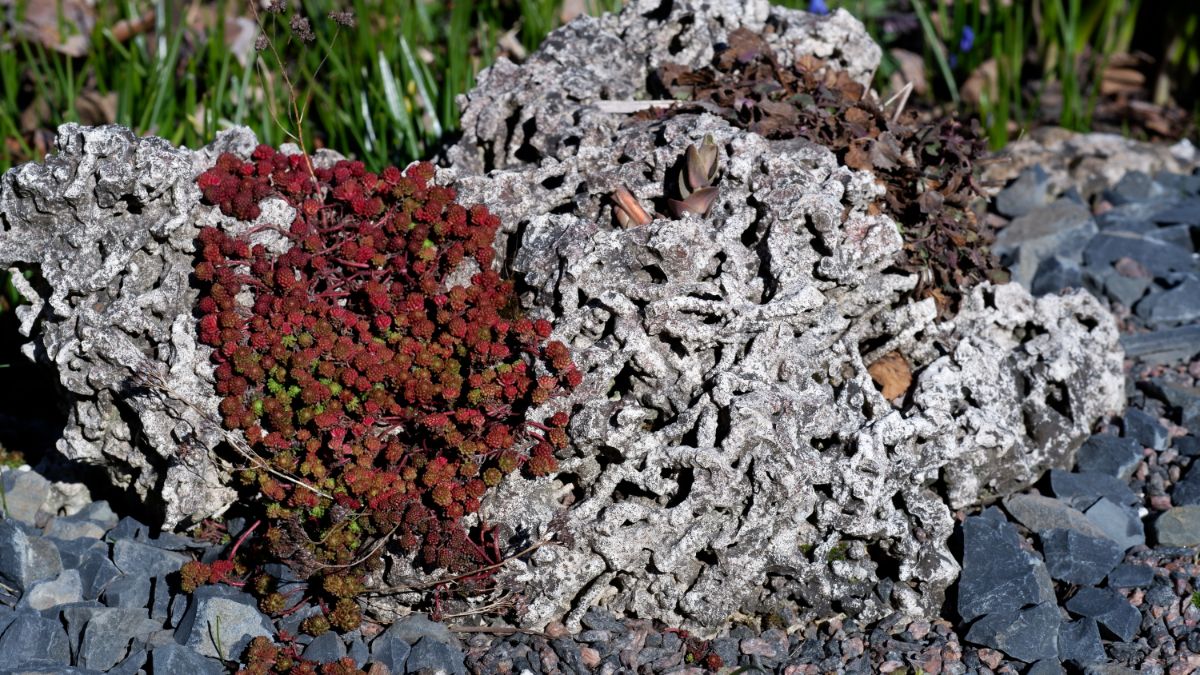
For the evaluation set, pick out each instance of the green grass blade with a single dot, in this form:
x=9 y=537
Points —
x=939 y=49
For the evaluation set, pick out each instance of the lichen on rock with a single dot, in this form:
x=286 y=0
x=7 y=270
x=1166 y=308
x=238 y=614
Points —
x=731 y=454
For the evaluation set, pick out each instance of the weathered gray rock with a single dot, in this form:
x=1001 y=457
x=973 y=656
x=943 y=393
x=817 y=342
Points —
x=1130 y=576
x=1046 y=667
x=1135 y=186
x=391 y=651
x=144 y=560
x=224 y=617
x=1171 y=343
x=169 y=659
x=1028 y=192
x=96 y=572
x=1179 y=526
x=1054 y=274
x=727 y=431
x=1110 y=455
x=25 y=495
x=325 y=648
x=1185 y=400
x=1090 y=162
x=108 y=635
x=128 y=590
x=1079 y=642
x=31 y=637
x=1059 y=229
x=1082 y=489
x=416 y=626
x=25 y=557
x=1187 y=491
x=74 y=528
x=1145 y=429
x=98 y=512
x=358 y=651
x=1119 y=523
x=64 y=588
x=1179 y=305
x=430 y=655
x=109 y=219
x=1040 y=514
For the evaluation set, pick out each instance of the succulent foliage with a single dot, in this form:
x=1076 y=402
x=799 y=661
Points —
x=384 y=394
x=926 y=167
x=262 y=657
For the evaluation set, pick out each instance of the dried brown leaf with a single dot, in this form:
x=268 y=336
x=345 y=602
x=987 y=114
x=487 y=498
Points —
x=891 y=374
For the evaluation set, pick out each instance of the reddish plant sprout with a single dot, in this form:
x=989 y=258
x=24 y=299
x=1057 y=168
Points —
x=353 y=363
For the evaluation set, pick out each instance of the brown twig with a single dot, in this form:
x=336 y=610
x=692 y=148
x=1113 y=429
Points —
x=497 y=630
x=466 y=575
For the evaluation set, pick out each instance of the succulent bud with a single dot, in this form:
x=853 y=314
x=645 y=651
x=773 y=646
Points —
x=628 y=211
x=696 y=190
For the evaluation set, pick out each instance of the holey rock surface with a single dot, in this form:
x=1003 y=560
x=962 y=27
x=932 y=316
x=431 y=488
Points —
x=731 y=454
x=109 y=222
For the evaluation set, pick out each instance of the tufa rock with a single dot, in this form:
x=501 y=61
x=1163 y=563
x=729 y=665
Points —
x=109 y=220
x=728 y=436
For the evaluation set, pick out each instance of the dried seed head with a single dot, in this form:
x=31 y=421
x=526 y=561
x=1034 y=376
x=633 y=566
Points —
x=343 y=19
x=302 y=29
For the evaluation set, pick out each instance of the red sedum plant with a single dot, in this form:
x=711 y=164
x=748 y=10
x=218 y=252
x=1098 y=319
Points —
x=383 y=395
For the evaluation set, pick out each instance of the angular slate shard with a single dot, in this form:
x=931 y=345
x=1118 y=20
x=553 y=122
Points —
x=1079 y=643
x=1130 y=576
x=1027 y=634
x=1118 y=523
x=998 y=575
x=1110 y=455
x=1077 y=558
x=1109 y=608
x=1080 y=490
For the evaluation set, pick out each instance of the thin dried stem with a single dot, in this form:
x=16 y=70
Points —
x=466 y=575
x=149 y=375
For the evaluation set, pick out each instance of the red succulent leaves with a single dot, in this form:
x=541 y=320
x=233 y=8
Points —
x=351 y=363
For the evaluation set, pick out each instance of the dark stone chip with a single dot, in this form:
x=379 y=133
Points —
x=1077 y=558
x=1109 y=608
x=998 y=575
x=1145 y=429
x=1079 y=642
x=1081 y=490
x=1110 y=455
x=1130 y=576
x=1027 y=634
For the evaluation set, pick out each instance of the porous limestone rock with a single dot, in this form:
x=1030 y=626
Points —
x=731 y=454
x=108 y=222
